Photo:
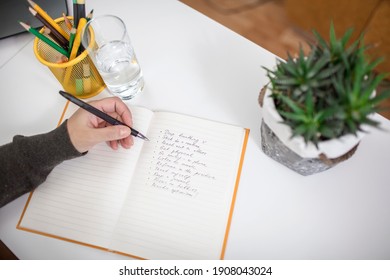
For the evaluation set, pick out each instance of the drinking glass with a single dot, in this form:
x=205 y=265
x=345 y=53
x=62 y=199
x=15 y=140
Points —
x=113 y=55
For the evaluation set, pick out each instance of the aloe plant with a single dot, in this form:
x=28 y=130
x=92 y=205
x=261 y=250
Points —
x=327 y=93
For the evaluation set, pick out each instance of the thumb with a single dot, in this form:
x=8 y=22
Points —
x=111 y=133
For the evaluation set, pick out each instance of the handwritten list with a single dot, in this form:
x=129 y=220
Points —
x=179 y=158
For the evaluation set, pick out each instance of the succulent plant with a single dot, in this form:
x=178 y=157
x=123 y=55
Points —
x=329 y=92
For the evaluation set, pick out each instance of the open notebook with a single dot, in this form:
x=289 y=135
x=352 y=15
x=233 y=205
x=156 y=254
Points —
x=170 y=198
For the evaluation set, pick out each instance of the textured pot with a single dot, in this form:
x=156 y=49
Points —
x=303 y=158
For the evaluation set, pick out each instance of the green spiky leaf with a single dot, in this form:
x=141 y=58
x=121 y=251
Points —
x=327 y=93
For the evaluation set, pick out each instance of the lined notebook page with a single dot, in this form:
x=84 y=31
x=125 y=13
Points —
x=179 y=201
x=82 y=198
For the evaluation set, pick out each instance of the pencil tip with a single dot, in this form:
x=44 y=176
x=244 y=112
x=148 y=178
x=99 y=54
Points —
x=31 y=2
x=24 y=25
x=32 y=11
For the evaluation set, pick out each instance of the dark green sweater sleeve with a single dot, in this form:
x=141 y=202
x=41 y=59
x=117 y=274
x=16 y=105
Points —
x=27 y=161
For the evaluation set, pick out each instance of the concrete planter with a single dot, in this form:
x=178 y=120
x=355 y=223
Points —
x=303 y=158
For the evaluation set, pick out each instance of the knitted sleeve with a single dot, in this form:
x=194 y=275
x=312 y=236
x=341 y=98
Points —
x=27 y=161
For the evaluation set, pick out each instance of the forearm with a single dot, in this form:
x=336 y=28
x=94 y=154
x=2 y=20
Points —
x=27 y=161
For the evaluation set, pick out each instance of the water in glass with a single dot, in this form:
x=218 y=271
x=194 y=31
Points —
x=119 y=69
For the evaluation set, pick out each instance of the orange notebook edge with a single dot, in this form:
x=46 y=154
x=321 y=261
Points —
x=245 y=142
x=79 y=242
x=31 y=193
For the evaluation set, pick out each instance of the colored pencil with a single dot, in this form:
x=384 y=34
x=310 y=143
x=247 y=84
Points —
x=67 y=21
x=71 y=39
x=76 y=15
x=90 y=15
x=86 y=78
x=74 y=50
x=61 y=40
x=81 y=8
x=48 y=19
x=77 y=40
x=48 y=33
x=44 y=39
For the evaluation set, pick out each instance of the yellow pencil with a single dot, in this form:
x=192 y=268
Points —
x=77 y=40
x=86 y=78
x=73 y=54
x=48 y=19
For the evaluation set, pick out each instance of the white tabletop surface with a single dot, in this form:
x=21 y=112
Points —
x=195 y=66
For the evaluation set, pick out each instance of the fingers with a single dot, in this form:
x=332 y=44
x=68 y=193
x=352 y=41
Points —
x=86 y=130
x=111 y=133
x=115 y=108
x=102 y=123
x=125 y=143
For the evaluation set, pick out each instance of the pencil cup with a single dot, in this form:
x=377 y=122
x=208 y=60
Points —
x=78 y=76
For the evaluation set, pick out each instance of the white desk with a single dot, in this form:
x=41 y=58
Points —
x=195 y=66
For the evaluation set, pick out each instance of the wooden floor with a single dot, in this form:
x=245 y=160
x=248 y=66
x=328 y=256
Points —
x=5 y=253
x=261 y=21
x=264 y=22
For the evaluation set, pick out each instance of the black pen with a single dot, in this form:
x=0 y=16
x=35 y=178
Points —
x=100 y=114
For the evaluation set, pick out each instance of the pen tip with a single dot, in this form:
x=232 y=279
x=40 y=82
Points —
x=143 y=137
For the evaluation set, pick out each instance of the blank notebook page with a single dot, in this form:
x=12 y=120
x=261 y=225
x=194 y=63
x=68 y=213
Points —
x=82 y=198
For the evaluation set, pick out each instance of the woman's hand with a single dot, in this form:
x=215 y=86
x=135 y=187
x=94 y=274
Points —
x=86 y=130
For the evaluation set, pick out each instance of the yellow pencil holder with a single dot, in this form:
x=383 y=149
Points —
x=78 y=76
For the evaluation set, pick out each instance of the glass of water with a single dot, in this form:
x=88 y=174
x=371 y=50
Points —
x=113 y=55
